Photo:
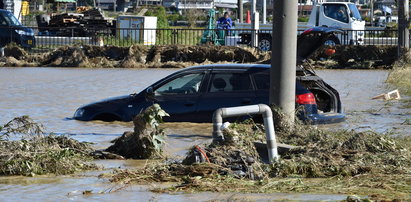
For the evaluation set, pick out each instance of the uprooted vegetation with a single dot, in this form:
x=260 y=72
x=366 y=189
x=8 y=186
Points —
x=147 y=141
x=347 y=162
x=35 y=153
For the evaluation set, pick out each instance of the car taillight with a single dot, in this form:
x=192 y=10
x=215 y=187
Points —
x=305 y=99
x=307 y=31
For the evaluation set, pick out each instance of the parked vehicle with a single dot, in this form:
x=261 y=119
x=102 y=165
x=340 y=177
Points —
x=193 y=94
x=341 y=15
x=11 y=30
x=382 y=21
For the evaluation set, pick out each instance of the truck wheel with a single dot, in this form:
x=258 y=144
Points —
x=264 y=44
x=332 y=41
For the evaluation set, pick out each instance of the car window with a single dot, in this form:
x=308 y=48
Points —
x=262 y=81
x=3 y=21
x=336 y=12
x=229 y=82
x=186 y=84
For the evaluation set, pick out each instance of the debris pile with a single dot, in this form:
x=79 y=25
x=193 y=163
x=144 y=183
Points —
x=147 y=140
x=355 y=57
x=36 y=153
x=362 y=157
x=88 y=23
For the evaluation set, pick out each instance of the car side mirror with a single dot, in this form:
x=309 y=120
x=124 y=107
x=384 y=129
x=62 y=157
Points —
x=150 y=93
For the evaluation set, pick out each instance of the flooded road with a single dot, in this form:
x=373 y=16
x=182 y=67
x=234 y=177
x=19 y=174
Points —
x=51 y=95
x=356 y=88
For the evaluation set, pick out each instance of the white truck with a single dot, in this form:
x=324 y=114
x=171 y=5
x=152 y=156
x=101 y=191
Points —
x=341 y=15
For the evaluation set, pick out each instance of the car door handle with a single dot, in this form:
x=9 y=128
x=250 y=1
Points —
x=189 y=104
x=246 y=101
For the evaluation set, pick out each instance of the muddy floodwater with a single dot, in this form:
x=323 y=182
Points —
x=51 y=95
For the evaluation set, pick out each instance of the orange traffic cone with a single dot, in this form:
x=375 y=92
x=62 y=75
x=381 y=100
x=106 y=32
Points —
x=248 y=18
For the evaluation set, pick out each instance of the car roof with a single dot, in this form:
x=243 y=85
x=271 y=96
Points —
x=230 y=66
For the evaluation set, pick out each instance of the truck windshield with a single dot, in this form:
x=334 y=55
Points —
x=10 y=19
x=354 y=12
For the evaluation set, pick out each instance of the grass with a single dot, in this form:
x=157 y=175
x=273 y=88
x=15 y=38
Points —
x=400 y=76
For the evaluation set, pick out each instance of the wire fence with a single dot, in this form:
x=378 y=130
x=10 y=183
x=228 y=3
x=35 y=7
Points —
x=46 y=38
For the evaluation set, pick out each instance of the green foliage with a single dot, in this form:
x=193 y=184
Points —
x=160 y=13
x=173 y=18
x=303 y=19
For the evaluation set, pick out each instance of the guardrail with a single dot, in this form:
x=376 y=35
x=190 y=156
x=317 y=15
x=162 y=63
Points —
x=41 y=39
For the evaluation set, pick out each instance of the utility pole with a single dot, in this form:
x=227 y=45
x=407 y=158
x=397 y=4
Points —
x=283 y=58
x=403 y=31
x=372 y=12
x=264 y=11
x=240 y=10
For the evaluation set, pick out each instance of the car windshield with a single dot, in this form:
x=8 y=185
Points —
x=336 y=12
x=354 y=12
x=10 y=19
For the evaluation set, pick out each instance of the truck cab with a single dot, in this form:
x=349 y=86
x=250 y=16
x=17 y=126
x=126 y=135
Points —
x=342 y=15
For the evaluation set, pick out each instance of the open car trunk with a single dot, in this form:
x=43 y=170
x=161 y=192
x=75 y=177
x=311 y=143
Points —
x=327 y=98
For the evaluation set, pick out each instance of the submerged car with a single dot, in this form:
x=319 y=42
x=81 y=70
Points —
x=193 y=94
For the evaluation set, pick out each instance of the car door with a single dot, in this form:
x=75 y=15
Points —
x=225 y=89
x=262 y=86
x=179 y=95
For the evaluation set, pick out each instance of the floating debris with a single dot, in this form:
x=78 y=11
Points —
x=392 y=95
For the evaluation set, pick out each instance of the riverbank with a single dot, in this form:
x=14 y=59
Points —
x=179 y=56
x=400 y=76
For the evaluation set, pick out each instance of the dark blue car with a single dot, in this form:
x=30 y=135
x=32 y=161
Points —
x=11 y=30
x=193 y=94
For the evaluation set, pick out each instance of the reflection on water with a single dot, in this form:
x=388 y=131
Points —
x=51 y=95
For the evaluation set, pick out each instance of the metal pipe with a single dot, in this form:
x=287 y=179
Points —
x=262 y=109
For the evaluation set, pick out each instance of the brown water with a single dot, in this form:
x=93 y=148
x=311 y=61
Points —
x=51 y=95
x=356 y=88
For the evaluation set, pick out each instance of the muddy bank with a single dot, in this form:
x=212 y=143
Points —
x=355 y=57
x=135 y=56
x=178 y=56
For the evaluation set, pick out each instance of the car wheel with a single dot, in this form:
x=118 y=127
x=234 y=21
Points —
x=264 y=44
x=332 y=41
